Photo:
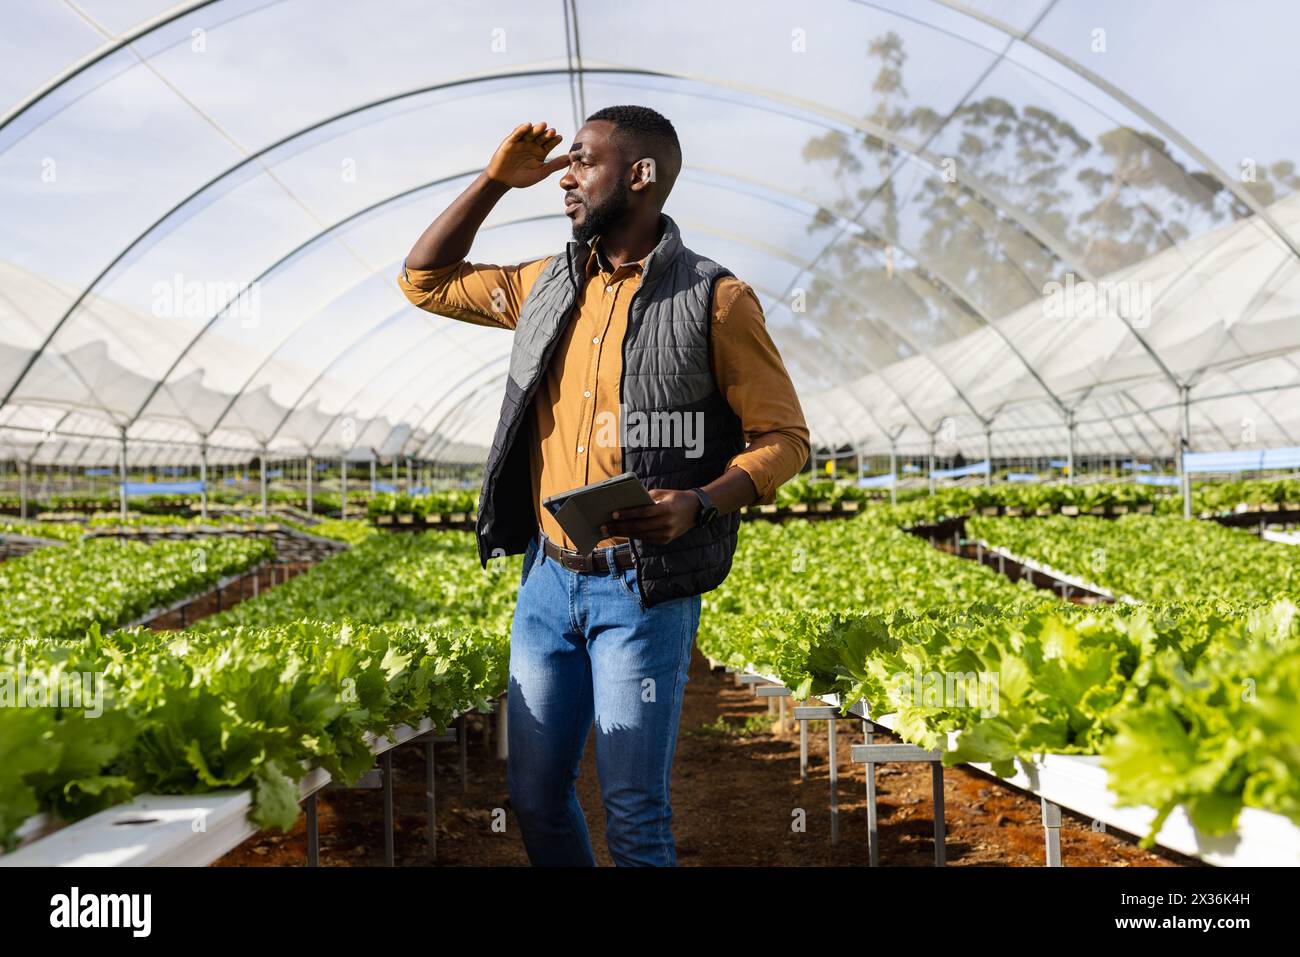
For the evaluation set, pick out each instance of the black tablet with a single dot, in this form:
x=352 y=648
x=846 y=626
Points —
x=581 y=511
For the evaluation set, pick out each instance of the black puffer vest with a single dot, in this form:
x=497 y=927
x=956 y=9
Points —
x=678 y=431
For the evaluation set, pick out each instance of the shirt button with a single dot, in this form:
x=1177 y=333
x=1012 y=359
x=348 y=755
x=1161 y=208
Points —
x=609 y=288
x=595 y=340
x=586 y=394
x=580 y=449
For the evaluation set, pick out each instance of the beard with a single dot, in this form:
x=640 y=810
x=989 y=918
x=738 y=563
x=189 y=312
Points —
x=600 y=219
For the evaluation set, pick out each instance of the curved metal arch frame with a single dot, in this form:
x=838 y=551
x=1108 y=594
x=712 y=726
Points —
x=1133 y=106
x=1148 y=116
x=101 y=53
x=392 y=396
x=287 y=257
x=907 y=279
x=433 y=332
x=308 y=320
x=418 y=426
x=449 y=435
x=315 y=238
x=1024 y=36
x=972 y=185
x=977 y=189
x=397 y=197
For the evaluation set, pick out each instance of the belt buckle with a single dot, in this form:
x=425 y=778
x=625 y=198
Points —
x=573 y=561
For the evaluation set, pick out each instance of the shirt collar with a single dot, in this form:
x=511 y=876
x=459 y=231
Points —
x=596 y=260
x=670 y=245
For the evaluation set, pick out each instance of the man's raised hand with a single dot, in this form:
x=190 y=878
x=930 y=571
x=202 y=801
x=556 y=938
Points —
x=520 y=161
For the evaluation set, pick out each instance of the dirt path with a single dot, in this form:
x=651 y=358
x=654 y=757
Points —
x=736 y=789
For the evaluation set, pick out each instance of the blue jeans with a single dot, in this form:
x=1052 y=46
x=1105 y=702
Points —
x=581 y=647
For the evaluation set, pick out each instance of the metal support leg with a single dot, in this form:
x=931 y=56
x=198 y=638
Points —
x=386 y=764
x=835 y=799
x=429 y=805
x=775 y=707
x=313 y=833
x=803 y=750
x=1052 y=831
x=940 y=843
x=487 y=733
x=872 y=754
x=873 y=822
x=462 y=737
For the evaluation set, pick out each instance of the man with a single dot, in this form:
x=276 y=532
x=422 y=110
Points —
x=625 y=326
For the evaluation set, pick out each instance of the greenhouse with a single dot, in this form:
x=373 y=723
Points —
x=993 y=508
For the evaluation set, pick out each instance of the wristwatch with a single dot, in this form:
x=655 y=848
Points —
x=708 y=511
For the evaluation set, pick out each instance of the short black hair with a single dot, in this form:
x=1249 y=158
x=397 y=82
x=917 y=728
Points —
x=641 y=127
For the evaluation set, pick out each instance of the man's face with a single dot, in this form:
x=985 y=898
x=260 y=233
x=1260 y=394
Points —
x=597 y=196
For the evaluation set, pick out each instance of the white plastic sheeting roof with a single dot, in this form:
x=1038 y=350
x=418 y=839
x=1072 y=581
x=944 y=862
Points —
x=901 y=181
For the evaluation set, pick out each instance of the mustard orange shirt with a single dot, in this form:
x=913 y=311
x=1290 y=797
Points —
x=573 y=425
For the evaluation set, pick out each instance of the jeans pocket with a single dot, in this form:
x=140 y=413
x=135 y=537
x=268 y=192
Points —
x=627 y=578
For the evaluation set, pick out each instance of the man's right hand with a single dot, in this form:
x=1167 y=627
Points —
x=520 y=160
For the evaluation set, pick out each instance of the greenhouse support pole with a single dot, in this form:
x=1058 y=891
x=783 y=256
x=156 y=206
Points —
x=311 y=470
x=1184 y=445
x=931 y=463
x=22 y=490
x=410 y=474
x=122 y=470
x=343 y=488
x=373 y=461
x=1069 y=462
x=988 y=455
x=262 y=476
x=203 y=478
x=893 y=471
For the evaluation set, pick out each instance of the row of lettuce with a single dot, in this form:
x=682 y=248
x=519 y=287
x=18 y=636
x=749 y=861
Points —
x=1150 y=558
x=58 y=593
x=296 y=678
x=1188 y=697
x=1209 y=498
x=165 y=503
x=73 y=528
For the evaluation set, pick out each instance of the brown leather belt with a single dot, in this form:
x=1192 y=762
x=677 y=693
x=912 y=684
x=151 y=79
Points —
x=595 y=562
